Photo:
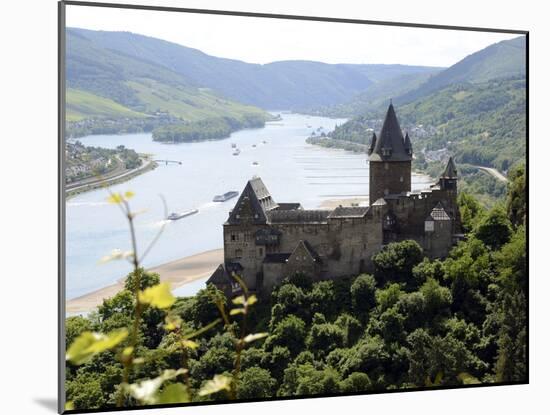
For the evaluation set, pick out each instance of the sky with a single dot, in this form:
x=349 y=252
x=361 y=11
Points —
x=261 y=40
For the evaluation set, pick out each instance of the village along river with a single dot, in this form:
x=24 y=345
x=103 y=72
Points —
x=292 y=170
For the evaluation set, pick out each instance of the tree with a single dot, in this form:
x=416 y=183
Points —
x=325 y=337
x=363 y=294
x=427 y=269
x=516 y=200
x=322 y=298
x=352 y=328
x=74 y=326
x=357 y=382
x=290 y=333
x=470 y=210
x=256 y=383
x=391 y=324
x=276 y=361
x=437 y=298
x=146 y=279
x=389 y=296
x=396 y=260
x=494 y=229
x=292 y=298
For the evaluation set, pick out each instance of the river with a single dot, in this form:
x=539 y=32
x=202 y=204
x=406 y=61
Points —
x=291 y=169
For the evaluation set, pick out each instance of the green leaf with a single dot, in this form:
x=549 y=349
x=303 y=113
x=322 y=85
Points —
x=88 y=344
x=190 y=344
x=238 y=300
x=173 y=322
x=253 y=337
x=248 y=301
x=468 y=379
x=146 y=390
x=236 y=311
x=158 y=296
x=174 y=393
x=219 y=383
x=115 y=198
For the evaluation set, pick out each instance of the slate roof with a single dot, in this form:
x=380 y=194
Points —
x=349 y=212
x=298 y=216
x=219 y=276
x=253 y=203
x=289 y=206
x=309 y=249
x=438 y=213
x=390 y=144
x=233 y=267
x=450 y=171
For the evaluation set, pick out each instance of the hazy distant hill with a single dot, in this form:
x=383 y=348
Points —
x=134 y=94
x=278 y=85
x=500 y=60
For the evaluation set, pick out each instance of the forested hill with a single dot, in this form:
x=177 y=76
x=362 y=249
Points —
x=498 y=61
x=111 y=92
x=295 y=85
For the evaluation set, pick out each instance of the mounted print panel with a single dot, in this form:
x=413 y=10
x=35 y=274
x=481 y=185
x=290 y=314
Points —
x=263 y=207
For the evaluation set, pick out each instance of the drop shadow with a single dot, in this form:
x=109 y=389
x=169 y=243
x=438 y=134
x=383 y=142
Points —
x=48 y=403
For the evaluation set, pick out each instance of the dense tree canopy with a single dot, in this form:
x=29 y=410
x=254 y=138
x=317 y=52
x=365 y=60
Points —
x=417 y=322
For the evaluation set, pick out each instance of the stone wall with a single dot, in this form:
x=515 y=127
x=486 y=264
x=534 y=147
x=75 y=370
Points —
x=388 y=178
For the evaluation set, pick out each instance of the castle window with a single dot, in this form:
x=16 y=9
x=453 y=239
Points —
x=261 y=251
x=238 y=253
x=386 y=192
x=234 y=237
x=386 y=166
x=401 y=179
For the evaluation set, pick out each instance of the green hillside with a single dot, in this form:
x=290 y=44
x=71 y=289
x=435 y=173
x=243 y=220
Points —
x=82 y=105
x=500 y=60
x=110 y=92
x=376 y=95
x=294 y=85
x=479 y=124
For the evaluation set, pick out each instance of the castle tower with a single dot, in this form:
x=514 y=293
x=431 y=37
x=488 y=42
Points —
x=390 y=156
x=448 y=178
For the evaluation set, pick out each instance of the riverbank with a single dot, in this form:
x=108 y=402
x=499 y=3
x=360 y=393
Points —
x=78 y=188
x=177 y=273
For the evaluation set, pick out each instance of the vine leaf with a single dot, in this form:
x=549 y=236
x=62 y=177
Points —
x=146 y=390
x=158 y=296
x=219 y=383
x=89 y=344
x=174 y=393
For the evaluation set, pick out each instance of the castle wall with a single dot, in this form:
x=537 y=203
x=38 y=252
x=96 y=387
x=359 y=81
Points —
x=391 y=177
x=439 y=242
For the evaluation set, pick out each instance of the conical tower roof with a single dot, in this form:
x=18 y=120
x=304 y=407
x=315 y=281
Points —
x=372 y=143
x=390 y=145
x=450 y=171
x=408 y=144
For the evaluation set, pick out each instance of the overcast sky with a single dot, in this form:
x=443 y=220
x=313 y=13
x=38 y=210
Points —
x=260 y=40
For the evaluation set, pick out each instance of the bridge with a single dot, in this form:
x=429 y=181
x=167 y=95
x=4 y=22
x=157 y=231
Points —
x=169 y=161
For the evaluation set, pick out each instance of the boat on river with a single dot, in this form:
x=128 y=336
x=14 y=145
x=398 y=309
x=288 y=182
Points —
x=179 y=215
x=226 y=196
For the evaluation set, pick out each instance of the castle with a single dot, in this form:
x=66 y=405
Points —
x=266 y=241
